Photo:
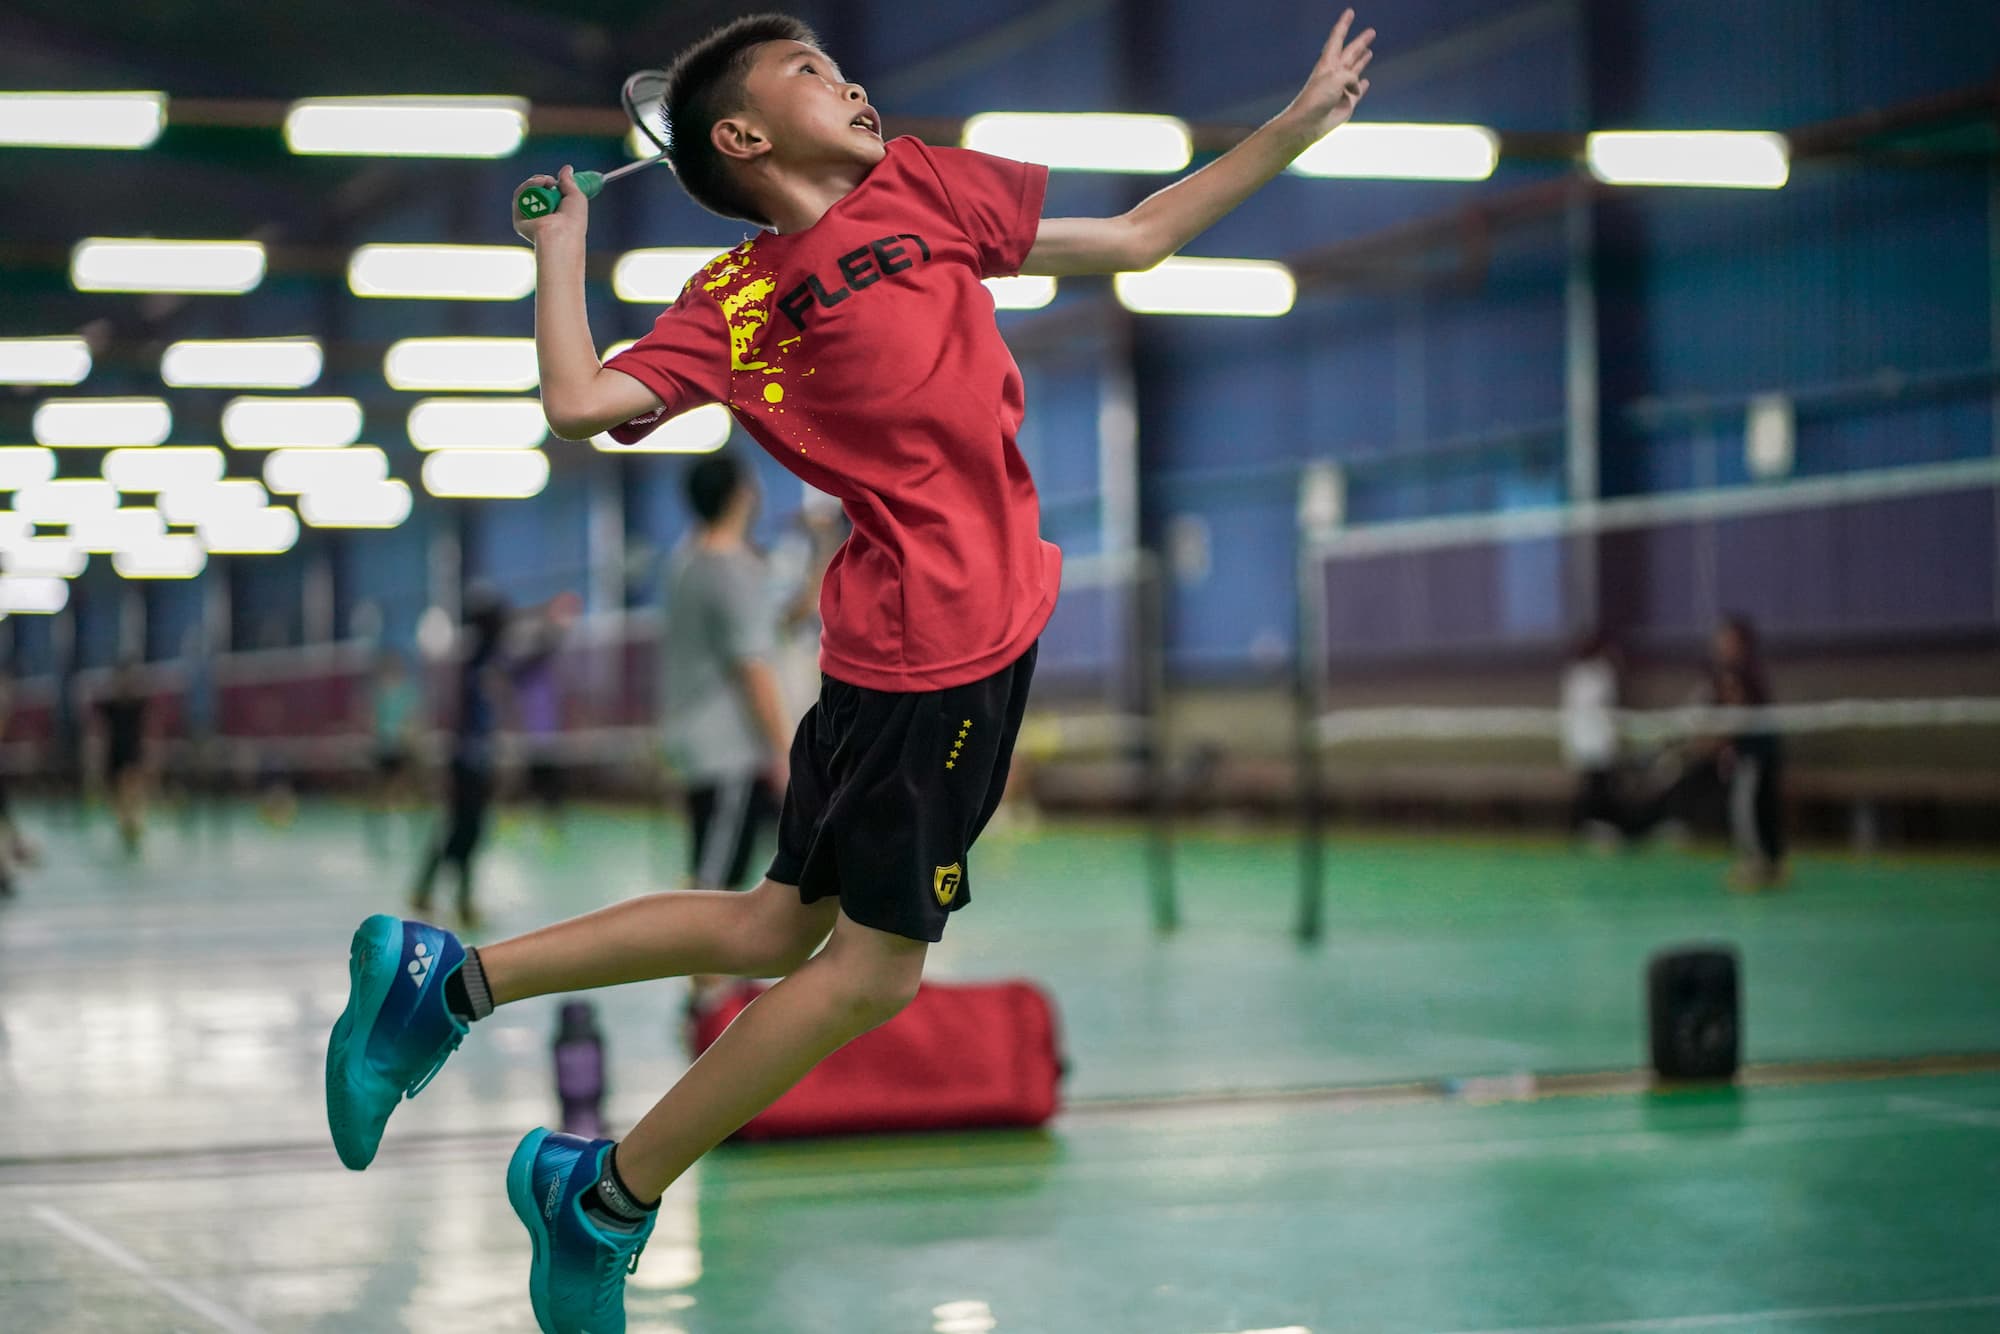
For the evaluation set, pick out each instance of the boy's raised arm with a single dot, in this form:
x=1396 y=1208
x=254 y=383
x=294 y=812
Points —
x=1166 y=221
x=579 y=396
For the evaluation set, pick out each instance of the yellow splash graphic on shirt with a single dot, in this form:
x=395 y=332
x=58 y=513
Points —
x=743 y=289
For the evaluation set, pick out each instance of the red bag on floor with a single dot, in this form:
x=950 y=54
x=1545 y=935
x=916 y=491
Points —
x=958 y=1057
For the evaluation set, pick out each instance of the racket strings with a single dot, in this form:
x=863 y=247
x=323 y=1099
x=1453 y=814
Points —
x=645 y=99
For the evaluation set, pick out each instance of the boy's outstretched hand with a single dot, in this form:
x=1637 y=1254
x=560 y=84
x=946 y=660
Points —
x=1336 y=86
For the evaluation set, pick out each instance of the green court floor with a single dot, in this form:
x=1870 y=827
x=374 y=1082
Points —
x=164 y=1164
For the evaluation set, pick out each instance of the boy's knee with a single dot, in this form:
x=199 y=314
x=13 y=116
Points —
x=786 y=934
x=874 y=990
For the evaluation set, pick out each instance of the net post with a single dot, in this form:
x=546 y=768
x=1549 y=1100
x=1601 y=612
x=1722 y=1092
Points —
x=1157 y=760
x=1307 y=663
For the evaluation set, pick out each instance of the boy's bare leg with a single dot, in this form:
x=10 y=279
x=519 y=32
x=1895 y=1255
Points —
x=764 y=933
x=862 y=978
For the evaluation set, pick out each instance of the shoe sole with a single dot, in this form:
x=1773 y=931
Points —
x=371 y=971
x=521 y=1194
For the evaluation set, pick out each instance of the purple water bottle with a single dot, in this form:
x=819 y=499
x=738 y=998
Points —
x=579 y=1052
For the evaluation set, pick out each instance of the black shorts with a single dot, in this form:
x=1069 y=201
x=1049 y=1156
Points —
x=723 y=821
x=888 y=792
x=391 y=761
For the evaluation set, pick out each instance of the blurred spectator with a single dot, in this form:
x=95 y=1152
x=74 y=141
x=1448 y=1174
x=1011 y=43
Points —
x=469 y=783
x=120 y=716
x=395 y=719
x=1590 y=738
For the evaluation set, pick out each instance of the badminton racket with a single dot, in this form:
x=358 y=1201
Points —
x=644 y=96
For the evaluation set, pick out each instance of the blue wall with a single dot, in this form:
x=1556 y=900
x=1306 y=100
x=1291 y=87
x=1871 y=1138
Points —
x=1444 y=396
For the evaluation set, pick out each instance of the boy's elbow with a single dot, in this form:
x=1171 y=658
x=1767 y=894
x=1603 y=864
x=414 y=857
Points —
x=1141 y=246
x=567 y=420
x=569 y=428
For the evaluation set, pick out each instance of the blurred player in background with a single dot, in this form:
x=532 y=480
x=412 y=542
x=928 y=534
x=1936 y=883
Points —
x=1750 y=761
x=15 y=850
x=469 y=775
x=120 y=719
x=798 y=568
x=728 y=729
x=395 y=720
x=1744 y=769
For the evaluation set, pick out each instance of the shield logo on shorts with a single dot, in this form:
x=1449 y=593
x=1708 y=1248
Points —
x=945 y=884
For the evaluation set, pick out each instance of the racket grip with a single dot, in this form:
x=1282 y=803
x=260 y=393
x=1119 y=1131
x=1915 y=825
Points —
x=538 y=201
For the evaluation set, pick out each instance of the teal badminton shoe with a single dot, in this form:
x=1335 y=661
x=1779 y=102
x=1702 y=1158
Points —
x=396 y=1032
x=577 y=1282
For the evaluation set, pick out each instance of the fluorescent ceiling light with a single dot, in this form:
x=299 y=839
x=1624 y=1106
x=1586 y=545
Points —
x=138 y=264
x=443 y=272
x=293 y=471
x=700 y=431
x=260 y=532
x=407 y=126
x=27 y=595
x=25 y=465
x=291 y=423
x=1026 y=292
x=100 y=423
x=43 y=360
x=1404 y=152
x=505 y=365
x=66 y=500
x=1208 y=287
x=658 y=275
x=82 y=120
x=213 y=500
x=1744 y=159
x=45 y=558
x=377 y=505
x=478 y=423
x=175 y=556
x=143 y=470
x=118 y=530
x=486 y=474
x=242 y=363
x=1083 y=142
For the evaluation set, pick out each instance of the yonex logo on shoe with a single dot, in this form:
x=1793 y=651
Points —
x=420 y=967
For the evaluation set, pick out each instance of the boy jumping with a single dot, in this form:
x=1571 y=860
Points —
x=852 y=339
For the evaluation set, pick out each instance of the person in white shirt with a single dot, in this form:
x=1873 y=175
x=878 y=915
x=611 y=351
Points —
x=1590 y=736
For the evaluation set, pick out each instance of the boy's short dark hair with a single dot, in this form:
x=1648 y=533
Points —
x=711 y=484
x=704 y=85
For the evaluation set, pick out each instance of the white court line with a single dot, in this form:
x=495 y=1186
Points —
x=218 y=1315
x=1754 y=1317
x=1936 y=1109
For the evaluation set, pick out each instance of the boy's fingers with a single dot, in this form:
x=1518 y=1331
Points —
x=1362 y=63
x=1339 y=38
x=1361 y=43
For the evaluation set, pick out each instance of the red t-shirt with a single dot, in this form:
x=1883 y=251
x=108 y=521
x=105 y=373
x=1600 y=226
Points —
x=863 y=354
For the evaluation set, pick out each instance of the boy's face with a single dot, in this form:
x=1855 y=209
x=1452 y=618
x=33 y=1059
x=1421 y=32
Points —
x=807 y=111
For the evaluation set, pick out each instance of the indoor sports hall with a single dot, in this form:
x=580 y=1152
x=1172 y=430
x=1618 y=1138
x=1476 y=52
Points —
x=1505 y=835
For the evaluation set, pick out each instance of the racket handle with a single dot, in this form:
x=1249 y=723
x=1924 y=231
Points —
x=538 y=201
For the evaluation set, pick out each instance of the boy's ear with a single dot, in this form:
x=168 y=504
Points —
x=737 y=137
